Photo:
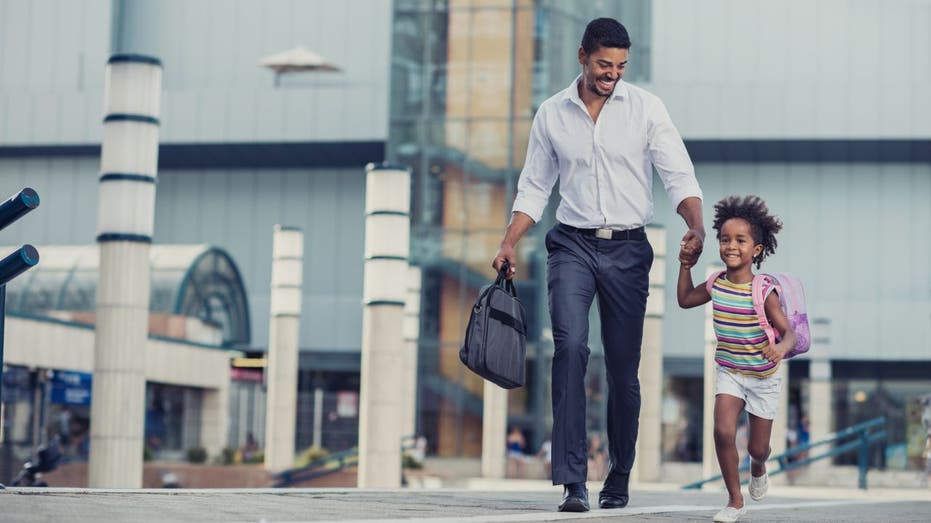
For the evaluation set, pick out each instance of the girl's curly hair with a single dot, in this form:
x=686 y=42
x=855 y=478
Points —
x=763 y=226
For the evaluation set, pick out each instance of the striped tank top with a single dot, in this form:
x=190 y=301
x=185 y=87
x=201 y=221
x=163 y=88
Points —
x=737 y=329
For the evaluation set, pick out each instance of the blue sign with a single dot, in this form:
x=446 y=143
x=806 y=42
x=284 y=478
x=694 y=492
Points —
x=71 y=388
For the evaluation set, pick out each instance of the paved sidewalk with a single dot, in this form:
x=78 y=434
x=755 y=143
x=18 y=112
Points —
x=649 y=503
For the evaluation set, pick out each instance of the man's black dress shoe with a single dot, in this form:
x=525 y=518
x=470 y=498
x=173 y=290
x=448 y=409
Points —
x=614 y=494
x=574 y=498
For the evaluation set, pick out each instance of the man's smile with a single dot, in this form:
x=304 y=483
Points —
x=606 y=83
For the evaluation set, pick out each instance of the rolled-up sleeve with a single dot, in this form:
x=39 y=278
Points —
x=669 y=156
x=540 y=171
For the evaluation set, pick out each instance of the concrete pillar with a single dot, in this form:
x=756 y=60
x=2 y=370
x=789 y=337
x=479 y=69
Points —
x=820 y=408
x=781 y=423
x=283 y=340
x=214 y=419
x=709 y=459
x=126 y=214
x=411 y=339
x=494 y=431
x=191 y=404
x=318 y=417
x=387 y=247
x=648 y=464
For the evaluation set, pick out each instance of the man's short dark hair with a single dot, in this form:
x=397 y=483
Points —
x=604 y=32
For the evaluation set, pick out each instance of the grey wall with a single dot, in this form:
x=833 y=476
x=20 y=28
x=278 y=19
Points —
x=52 y=62
x=856 y=234
x=233 y=209
x=67 y=188
x=52 y=57
x=53 y=54
x=794 y=69
x=237 y=210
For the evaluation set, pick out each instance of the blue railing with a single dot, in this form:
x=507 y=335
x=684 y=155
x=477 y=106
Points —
x=321 y=467
x=331 y=464
x=861 y=437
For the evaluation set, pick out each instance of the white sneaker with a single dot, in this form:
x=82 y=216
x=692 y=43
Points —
x=729 y=514
x=759 y=486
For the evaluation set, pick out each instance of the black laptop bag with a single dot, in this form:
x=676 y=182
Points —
x=496 y=338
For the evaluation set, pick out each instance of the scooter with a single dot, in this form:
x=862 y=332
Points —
x=47 y=459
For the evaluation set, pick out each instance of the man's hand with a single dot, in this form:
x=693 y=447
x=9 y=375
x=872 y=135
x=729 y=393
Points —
x=506 y=252
x=519 y=225
x=694 y=239
x=691 y=247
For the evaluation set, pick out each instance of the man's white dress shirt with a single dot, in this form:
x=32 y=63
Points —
x=605 y=168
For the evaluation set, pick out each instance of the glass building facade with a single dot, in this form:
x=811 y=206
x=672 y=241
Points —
x=466 y=79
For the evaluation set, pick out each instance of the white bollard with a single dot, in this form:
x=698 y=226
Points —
x=494 y=431
x=709 y=457
x=411 y=338
x=387 y=247
x=649 y=455
x=283 y=345
x=820 y=394
x=128 y=170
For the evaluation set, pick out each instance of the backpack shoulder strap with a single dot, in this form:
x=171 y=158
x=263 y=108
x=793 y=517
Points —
x=711 y=279
x=763 y=284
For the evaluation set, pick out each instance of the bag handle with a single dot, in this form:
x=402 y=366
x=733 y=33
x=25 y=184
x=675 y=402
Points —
x=503 y=282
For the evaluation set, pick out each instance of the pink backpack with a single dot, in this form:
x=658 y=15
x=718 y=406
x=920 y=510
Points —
x=791 y=298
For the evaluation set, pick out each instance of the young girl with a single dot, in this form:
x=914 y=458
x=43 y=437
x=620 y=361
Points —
x=747 y=363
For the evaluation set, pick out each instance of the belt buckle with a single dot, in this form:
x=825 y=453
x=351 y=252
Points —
x=604 y=234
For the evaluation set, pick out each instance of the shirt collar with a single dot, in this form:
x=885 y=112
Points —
x=572 y=92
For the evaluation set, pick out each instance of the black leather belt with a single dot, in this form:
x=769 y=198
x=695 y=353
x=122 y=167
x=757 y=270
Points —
x=638 y=234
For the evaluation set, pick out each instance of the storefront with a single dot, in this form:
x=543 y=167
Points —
x=198 y=313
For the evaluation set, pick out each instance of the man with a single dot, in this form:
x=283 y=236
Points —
x=601 y=138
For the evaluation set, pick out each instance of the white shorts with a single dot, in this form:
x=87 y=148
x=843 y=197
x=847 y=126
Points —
x=761 y=395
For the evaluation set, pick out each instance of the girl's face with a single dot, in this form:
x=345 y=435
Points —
x=736 y=243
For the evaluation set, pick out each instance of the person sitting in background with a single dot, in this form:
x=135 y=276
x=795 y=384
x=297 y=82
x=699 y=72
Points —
x=546 y=454
x=515 y=445
x=249 y=448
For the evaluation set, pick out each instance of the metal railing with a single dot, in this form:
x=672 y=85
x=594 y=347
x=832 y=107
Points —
x=321 y=467
x=334 y=463
x=861 y=437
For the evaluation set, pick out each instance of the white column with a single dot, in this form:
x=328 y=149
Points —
x=214 y=419
x=318 y=417
x=648 y=463
x=781 y=422
x=283 y=340
x=709 y=459
x=126 y=213
x=387 y=247
x=494 y=431
x=820 y=410
x=411 y=338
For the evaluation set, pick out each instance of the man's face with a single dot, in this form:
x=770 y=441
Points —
x=603 y=68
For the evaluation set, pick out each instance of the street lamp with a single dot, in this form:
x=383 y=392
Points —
x=296 y=60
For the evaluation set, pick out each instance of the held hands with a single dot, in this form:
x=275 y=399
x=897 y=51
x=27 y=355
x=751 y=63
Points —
x=506 y=252
x=686 y=262
x=691 y=248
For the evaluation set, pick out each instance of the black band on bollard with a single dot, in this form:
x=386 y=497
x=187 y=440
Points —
x=123 y=237
x=122 y=117
x=125 y=177
x=133 y=58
